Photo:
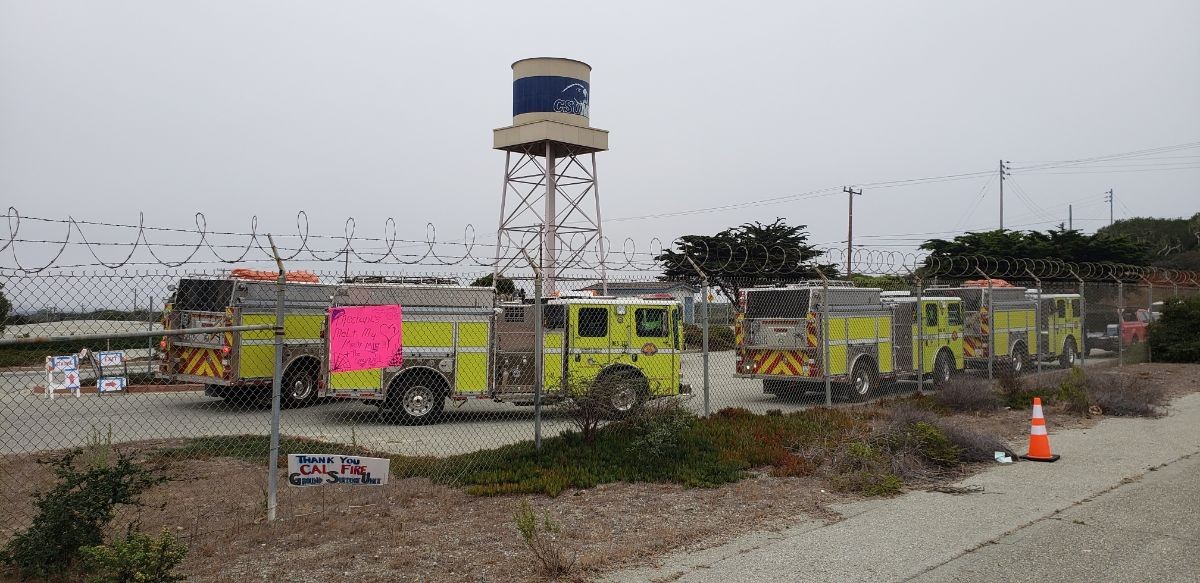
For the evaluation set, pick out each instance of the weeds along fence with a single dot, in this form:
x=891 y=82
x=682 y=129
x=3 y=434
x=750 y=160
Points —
x=181 y=365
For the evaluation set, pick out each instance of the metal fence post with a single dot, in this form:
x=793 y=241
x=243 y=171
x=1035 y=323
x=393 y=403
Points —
x=1150 y=315
x=539 y=362
x=539 y=369
x=704 y=329
x=276 y=388
x=1082 y=325
x=1120 y=321
x=1037 y=320
x=704 y=343
x=150 y=339
x=991 y=336
x=824 y=330
x=920 y=314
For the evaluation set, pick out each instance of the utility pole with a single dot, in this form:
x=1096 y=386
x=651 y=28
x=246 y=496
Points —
x=851 y=193
x=1003 y=173
x=1108 y=197
x=1070 y=218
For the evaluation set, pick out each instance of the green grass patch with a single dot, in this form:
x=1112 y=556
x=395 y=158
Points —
x=854 y=448
x=35 y=354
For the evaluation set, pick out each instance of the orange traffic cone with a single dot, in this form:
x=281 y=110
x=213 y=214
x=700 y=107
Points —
x=1039 y=441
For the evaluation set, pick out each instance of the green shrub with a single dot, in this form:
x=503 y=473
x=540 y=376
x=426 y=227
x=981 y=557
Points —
x=1120 y=395
x=35 y=354
x=1173 y=336
x=73 y=513
x=1072 y=392
x=1019 y=395
x=885 y=485
x=657 y=429
x=968 y=394
x=137 y=558
x=541 y=538
x=924 y=439
x=974 y=444
x=720 y=337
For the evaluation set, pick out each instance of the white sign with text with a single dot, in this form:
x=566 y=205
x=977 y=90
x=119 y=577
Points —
x=306 y=469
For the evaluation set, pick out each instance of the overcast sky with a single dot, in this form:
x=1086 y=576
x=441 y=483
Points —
x=378 y=109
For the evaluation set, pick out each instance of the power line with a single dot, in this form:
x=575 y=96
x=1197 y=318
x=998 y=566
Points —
x=1120 y=156
x=1070 y=172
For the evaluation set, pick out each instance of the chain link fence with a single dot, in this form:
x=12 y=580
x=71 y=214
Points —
x=180 y=365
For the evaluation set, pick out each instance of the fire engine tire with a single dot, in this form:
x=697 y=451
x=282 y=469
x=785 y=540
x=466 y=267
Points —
x=299 y=387
x=625 y=389
x=1070 y=354
x=863 y=381
x=1018 y=362
x=942 y=369
x=417 y=399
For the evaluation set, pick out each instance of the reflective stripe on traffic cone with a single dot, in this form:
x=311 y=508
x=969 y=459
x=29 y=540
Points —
x=1039 y=441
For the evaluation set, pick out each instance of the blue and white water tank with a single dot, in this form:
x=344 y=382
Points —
x=551 y=89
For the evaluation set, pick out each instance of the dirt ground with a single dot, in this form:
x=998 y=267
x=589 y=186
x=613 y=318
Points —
x=413 y=530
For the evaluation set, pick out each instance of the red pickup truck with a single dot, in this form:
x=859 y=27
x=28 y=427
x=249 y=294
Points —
x=1128 y=326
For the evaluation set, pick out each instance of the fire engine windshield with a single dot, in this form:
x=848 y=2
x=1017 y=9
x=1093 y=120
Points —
x=203 y=295
x=777 y=303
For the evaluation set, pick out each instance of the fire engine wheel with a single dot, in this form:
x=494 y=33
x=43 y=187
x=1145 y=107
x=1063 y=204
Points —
x=942 y=369
x=623 y=391
x=299 y=388
x=1018 y=360
x=1069 y=355
x=862 y=381
x=418 y=400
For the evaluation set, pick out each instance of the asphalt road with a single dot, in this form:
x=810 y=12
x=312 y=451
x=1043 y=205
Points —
x=1121 y=505
x=1147 y=530
x=34 y=423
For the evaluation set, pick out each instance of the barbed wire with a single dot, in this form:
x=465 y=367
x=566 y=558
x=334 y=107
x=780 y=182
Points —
x=778 y=262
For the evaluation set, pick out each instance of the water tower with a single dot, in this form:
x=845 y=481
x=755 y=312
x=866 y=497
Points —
x=550 y=204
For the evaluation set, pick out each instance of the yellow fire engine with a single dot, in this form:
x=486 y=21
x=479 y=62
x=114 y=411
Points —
x=242 y=364
x=1002 y=325
x=459 y=344
x=1060 y=326
x=791 y=336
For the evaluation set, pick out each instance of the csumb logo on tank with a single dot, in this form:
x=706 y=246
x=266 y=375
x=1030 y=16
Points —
x=573 y=99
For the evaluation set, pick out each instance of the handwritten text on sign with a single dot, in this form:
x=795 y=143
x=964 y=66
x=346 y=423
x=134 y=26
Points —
x=315 y=470
x=365 y=337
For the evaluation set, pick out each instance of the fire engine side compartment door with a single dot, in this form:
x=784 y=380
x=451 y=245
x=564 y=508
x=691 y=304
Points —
x=653 y=348
x=931 y=327
x=590 y=330
x=554 y=357
x=955 y=328
x=1058 y=323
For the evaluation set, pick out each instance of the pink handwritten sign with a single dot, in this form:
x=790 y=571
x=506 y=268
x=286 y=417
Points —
x=365 y=337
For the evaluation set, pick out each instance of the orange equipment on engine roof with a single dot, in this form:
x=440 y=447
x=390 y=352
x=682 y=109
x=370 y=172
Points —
x=262 y=275
x=987 y=283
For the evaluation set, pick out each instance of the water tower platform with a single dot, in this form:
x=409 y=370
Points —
x=565 y=139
